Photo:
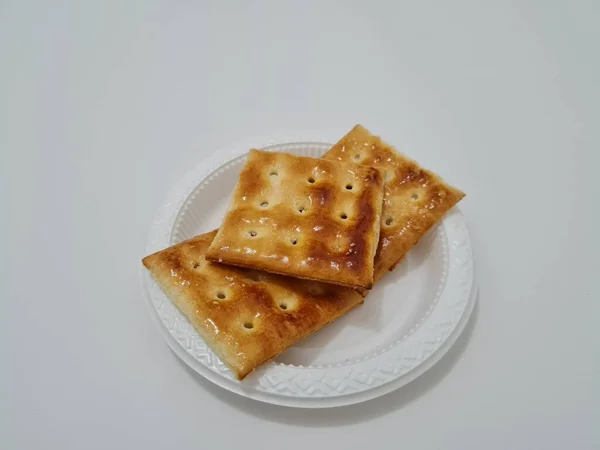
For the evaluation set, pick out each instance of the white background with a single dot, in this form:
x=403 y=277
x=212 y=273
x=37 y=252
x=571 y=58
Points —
x=104 y=105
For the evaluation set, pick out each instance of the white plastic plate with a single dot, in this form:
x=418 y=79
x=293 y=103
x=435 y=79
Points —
x=408 y=321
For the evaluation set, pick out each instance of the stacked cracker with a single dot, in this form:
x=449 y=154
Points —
x=302 y=243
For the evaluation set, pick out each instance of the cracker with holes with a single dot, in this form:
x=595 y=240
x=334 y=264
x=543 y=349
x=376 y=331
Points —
x=415 y=199
x=303 y=217
x=246 y=317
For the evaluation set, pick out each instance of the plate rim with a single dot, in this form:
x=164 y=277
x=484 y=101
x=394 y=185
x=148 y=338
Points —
x=171 y=209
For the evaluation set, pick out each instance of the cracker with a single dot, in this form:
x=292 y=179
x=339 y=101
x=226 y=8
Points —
x=303 y=217
x=246 y=317
x=415 y=199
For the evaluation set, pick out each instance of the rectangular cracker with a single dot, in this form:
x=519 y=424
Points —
x=303 y=217
x=246 y=317
x=415 y=199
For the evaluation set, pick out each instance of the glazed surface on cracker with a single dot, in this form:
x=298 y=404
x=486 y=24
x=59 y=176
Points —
x=303 y=217
x=415 y=199
x=246 y=317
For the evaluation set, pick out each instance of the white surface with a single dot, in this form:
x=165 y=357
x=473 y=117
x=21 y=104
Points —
x=410 y=320
x=104 y=105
